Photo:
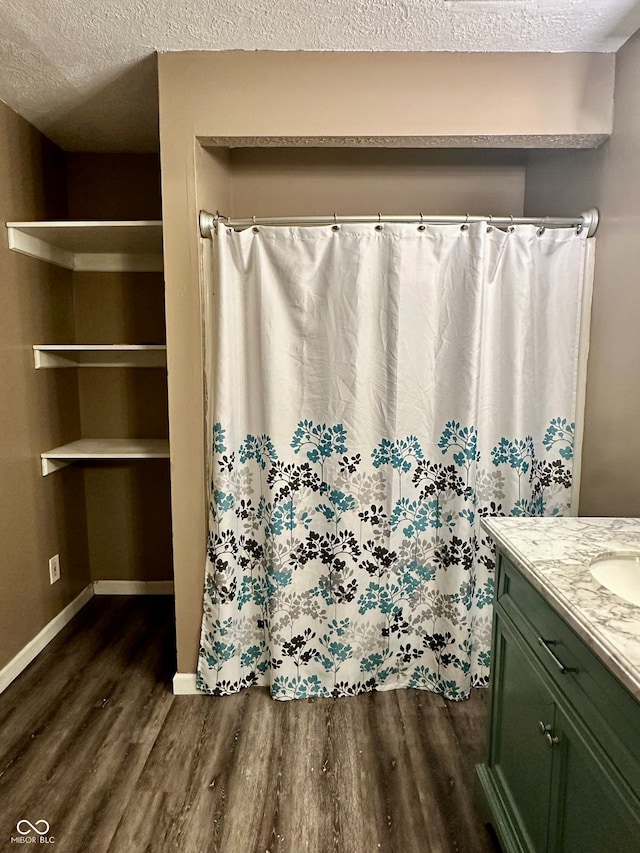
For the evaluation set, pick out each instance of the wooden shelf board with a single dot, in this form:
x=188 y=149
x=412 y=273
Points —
x=100 y=355
x=103 y=448
x=99 y=347
x=105 y=246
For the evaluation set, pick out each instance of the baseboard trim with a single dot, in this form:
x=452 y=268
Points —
x=133 y=587
x=184 y=684
x=33 y=648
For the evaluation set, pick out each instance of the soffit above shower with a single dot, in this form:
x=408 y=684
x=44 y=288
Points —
x=85 y=72
x=387 y=99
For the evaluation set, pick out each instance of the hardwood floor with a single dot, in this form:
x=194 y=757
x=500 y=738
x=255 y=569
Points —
x=93 y=742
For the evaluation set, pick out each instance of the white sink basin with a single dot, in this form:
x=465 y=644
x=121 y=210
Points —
x=619 y=571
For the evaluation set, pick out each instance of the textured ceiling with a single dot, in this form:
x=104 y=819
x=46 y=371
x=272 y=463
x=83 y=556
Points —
x=84 y=71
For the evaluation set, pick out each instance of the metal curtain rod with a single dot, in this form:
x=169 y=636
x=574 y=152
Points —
x=589 y=220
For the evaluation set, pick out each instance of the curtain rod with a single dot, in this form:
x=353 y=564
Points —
x=589 y=219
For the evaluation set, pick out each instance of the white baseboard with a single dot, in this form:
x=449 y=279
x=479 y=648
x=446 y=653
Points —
x=133 y=587
x=184 y=684
x=24 y=657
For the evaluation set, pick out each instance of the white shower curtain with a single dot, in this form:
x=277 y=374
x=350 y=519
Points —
x=371 y=394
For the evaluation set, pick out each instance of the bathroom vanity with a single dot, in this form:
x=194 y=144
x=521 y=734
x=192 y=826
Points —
x=563 y=768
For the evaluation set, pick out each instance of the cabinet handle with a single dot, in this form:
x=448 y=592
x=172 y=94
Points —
x=543 y=728
x=545 y=645
x=552 y=740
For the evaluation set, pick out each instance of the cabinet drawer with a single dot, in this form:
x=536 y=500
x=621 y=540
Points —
x=609 y=710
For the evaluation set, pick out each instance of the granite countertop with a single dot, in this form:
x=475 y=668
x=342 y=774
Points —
x=554 y=555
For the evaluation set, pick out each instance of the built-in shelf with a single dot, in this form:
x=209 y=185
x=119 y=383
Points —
x=100 y=355
x=103 y=448
x=96 y=246
x=87 y=245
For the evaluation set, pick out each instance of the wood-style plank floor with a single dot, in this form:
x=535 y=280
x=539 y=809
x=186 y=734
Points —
x=93 y=741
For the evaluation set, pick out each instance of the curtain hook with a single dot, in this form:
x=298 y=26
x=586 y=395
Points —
x=335 y=226
x=541 y=227
x=490 y=226
x=379 y=226
x=465 y=225
x=422 y=226
x=511 y=227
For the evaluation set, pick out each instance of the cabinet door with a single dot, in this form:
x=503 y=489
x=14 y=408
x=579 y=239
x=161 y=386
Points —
x=523 y=711
x=595 y=810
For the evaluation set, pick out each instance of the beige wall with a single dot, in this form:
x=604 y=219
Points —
x=283 y=181
x=608 y=178
x=395 y=100
x=128 y=505
x=39 y=516
x=263 y=94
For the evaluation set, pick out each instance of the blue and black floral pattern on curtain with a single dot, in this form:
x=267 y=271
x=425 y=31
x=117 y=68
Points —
x=377 y=612
x=370 y=398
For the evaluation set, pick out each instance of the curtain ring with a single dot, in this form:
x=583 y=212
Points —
x=490 y=226
x=511 y=227
x=379 y=226
x=541 y=227
x=253 y=219
x=422 y=226
x=335 y=226
x=465 y=225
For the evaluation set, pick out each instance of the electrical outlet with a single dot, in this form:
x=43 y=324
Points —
x=54 y=568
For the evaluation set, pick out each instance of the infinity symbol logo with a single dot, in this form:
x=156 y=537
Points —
x=32 y=827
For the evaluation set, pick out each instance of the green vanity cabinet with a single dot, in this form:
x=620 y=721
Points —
x=593 y=812
x=563 y=767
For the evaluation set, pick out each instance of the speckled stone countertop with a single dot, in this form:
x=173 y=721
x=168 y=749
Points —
x=554 y=555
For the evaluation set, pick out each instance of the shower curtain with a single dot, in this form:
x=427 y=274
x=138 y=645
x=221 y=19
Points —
x=373 y=392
